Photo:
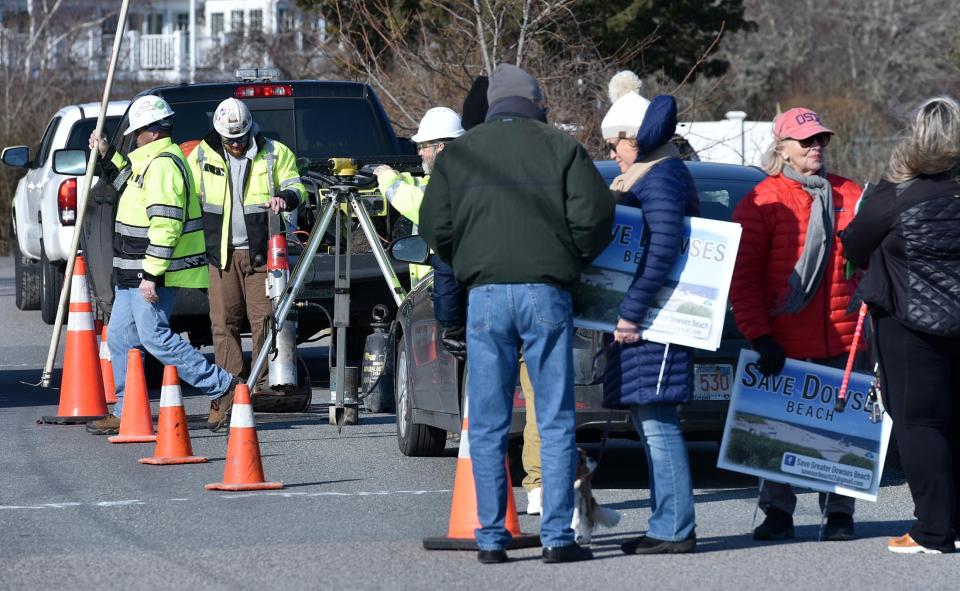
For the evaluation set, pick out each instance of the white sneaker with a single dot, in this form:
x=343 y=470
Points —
x=535 y=501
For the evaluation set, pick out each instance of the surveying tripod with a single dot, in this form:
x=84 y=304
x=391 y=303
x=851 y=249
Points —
x=339 y=200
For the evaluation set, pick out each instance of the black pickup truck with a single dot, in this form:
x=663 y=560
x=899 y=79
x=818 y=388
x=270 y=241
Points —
x=317 y=120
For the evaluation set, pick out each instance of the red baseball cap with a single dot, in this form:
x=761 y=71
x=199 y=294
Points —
x=798 y=123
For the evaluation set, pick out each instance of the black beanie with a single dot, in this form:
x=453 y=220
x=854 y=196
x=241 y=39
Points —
x=475 y=104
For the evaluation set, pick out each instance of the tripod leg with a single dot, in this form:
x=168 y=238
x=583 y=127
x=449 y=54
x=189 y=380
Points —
x=366 y=224
x=294 y=286
x=341 y=320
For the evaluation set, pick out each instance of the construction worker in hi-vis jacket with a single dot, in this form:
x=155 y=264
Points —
x=240 y=176
x=157 y=247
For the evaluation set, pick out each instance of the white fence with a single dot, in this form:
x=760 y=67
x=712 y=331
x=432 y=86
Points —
x=142 y=56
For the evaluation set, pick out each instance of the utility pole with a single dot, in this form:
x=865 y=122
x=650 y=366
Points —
x=740 y=116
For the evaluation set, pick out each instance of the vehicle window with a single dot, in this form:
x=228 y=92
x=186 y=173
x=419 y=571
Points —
x=314 y=128
x=718 y=197
x=43 y=150
x=80 y=133
x=341 y=128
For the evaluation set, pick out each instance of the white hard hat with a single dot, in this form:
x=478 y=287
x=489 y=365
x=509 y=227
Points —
x=146 y=110
x=232 y=118
x=438 y=123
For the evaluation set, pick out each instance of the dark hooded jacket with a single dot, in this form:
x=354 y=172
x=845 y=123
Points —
x=516 y=201
x=665 y=194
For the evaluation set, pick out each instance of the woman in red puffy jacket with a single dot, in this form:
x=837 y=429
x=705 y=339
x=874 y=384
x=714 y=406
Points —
x=790 y=294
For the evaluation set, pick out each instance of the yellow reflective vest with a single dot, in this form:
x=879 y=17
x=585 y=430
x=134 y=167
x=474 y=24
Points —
x=158 y=231
x=273 y=172
x=405 y=193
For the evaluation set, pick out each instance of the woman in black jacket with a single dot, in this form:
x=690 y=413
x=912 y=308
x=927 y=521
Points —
x=908 y=229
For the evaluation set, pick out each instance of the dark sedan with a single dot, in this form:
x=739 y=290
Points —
x=429 y=382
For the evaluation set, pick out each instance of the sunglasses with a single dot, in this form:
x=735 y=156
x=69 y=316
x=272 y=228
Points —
x=425 y=145
x=612 y=146
x=235 y=141
x=821 y=138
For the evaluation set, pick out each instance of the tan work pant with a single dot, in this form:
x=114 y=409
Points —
x=237 y=292
x=531 y=436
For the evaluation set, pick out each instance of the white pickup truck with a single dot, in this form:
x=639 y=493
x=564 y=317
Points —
x=45 y=205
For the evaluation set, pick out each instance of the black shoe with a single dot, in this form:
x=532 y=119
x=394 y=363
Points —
x=570 y=553
x=492 y=556
x=778 y=525
x=648 y=545
x=839 y=527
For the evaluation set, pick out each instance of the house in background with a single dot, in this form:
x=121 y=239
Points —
x=157 y=43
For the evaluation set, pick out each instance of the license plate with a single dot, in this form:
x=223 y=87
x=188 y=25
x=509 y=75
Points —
x=712 y=382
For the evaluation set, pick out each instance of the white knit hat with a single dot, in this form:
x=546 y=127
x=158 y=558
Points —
x=626 y=114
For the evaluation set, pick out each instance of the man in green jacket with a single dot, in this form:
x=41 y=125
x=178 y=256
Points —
x=157 y=247
x=518 y=208
x=240 y=176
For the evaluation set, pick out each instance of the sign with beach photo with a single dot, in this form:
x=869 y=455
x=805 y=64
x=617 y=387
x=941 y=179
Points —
x=690 y=308
x=785 y=428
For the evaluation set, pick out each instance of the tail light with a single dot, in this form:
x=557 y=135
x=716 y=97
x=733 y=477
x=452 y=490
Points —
x=263 y=90
x=67 y=202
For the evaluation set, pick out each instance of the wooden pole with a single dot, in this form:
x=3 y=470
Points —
x=82 y=199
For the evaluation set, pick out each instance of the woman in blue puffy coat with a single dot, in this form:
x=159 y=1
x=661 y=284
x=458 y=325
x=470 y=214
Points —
x=650 y=378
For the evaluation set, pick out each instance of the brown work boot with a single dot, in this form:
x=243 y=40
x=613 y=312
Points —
x=108 y=425
x=220 y=408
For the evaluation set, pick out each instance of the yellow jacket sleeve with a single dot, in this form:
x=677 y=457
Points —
x=404 y=192
x=166 y=200
x=287 y=176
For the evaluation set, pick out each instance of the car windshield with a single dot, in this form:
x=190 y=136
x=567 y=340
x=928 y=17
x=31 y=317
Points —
x=314 y=128
x=80 y=133
x=718 y=196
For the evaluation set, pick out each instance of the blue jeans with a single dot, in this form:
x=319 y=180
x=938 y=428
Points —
x=671 y=488
x=501 y=319
x=137 y=324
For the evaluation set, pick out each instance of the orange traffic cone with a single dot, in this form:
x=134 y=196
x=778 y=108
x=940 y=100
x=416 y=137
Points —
x=463 y=509
x=243 y=470
x=81 y=387
x=106 y=369
x=173 y=439
x=136 y=422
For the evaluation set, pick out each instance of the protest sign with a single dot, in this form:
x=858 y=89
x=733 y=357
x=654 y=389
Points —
x=690 y=308
x=785 y=428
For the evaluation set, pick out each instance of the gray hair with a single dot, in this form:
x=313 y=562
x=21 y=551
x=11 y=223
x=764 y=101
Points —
x=933 y=143
x=772 y=161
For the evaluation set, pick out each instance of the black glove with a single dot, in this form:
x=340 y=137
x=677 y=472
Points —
x=772 y=355
x=454 y=340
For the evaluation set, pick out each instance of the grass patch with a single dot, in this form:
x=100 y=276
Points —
x=596 y=303
x=759 y=451
x=857 y=461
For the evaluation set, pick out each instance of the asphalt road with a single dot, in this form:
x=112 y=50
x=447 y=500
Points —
x=77 y=512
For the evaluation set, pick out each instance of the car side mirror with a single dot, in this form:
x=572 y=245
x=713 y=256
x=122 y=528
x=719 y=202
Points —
x=72 y=162
x=16 y=156
x=410 y=249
